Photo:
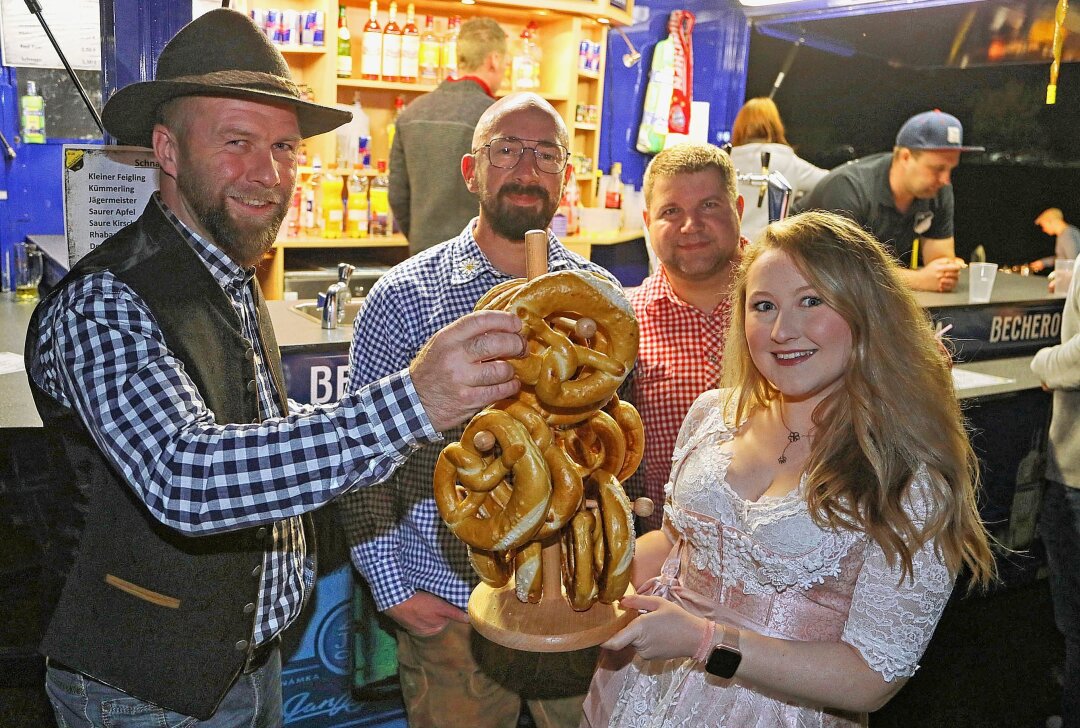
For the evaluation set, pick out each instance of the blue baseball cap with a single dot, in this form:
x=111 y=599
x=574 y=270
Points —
x=934 y=130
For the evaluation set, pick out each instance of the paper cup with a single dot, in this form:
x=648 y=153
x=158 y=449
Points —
x=1063 y=273
x=981 y=281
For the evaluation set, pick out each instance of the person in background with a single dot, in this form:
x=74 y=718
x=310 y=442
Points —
x=903 y=197
x=692 y=211
x=1067 y=238
x=758 y=129
x=813 y=533
x=1058 y=367
x=419 y=572
x=429 y=200
x=180 y=544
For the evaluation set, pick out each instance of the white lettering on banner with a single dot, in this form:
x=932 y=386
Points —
x=1025 y=328
x=323 y=389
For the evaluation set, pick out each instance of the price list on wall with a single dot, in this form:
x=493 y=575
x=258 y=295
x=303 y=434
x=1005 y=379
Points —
x=105 y=188
x=76 y=25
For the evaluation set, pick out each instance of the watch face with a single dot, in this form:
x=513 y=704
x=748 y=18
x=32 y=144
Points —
x=723 y=662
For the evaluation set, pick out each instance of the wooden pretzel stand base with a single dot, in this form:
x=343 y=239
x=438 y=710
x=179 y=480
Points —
x=552 y=625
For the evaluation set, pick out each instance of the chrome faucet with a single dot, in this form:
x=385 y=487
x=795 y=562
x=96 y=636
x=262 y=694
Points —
x=336 y=298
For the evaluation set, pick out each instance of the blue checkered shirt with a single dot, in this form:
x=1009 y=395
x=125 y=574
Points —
x=399 y=542
x=101 y=352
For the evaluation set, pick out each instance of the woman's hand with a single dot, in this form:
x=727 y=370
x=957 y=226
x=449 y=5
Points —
x=664 y=630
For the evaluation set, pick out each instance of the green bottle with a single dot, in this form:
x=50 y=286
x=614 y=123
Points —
x=33 y=115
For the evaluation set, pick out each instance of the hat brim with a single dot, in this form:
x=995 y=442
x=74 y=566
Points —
x=131 y=111
x=946 y=149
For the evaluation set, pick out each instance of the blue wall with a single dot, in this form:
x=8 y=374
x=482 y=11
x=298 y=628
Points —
x=721 y=45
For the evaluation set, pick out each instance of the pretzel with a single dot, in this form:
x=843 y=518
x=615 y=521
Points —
x=578 y=568
x=597 y=443
x=469 y=512
x=618 y=522
x=564 y=373
x=493 y=567
x=528 y=573
x=629 y=421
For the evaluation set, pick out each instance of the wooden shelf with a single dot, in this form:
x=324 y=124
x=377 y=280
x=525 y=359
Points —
x=297 y=50
x=586 y=126
x=588 y=75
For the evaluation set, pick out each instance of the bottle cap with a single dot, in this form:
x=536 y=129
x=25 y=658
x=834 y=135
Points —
x=31 y=88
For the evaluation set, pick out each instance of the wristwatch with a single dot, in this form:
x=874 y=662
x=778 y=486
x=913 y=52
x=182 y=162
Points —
x=725 y=658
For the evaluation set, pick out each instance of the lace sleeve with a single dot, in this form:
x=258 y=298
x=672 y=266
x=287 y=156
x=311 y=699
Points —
x=890 y=623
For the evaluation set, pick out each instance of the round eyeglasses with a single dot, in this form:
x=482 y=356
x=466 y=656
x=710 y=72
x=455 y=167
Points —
x=506 y=153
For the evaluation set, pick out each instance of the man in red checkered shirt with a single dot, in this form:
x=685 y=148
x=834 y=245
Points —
x=692 y=211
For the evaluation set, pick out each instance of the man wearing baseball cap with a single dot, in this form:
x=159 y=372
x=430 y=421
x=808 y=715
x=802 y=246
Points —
x=904 y=196
x=181 y=546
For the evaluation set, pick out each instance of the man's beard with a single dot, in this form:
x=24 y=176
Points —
x=243 y=243
x=512 y=222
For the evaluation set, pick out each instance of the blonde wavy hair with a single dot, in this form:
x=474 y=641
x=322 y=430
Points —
x=895 y=411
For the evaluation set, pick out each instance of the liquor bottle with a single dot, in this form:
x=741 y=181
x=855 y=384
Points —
x=613 y=197
x=356 y=203
x=333 y=207
x=391 y=46
x=33 y=115
x=379 y=202
x=523 y=74
x=292 y=217
x=430 y=48
x=371 y=45
x=391 y=128
x=410 y=47
x=449 y=48
x=344 y=45
x=310 y=212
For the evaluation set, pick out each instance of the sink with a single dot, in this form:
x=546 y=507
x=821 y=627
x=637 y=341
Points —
x=308 y=310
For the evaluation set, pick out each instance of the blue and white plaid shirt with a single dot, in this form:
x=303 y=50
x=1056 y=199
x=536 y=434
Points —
x=101 y=352
x=399 y=542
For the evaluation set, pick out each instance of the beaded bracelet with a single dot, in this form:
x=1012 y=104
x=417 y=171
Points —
x=707 y=641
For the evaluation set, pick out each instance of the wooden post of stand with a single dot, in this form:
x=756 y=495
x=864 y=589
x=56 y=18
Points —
x=552 y=625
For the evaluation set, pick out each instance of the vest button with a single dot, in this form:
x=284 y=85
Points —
x=249 y=607
x=241 y=646
x=261 y=533
x=251 y=386
x=249 y=355
x=257 y=570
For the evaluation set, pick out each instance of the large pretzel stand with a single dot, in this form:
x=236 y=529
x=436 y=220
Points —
x=534 y=487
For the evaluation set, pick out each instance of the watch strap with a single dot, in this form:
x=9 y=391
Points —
x=725 y=658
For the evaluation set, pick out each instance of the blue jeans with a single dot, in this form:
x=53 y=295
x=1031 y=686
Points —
x=254 y=701
x=1059 y=524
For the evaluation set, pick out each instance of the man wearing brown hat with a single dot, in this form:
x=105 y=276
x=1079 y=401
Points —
x=181 y=549
x=904 y=196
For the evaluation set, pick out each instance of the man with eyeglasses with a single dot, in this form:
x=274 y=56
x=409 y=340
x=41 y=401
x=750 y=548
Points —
x=418 y=571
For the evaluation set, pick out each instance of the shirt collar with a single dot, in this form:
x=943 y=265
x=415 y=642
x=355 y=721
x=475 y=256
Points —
x=229 y=274
x=468 y=262
x=477 y=80
x=658 y=292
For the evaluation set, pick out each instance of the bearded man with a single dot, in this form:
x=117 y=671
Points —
x=418 y=571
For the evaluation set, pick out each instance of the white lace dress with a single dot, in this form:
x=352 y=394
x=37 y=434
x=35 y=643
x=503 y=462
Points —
x=764 y=565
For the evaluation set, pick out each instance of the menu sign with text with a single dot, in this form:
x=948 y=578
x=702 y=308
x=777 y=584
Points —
x=105 y=189
x=76 y=25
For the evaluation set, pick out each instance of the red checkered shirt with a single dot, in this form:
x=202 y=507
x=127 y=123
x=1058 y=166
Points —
x=679 y=358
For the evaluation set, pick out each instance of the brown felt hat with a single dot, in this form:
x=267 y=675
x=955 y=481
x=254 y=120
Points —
x=220 y=53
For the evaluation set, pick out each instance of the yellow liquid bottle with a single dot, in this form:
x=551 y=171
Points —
x=356 y=204
x=333 y=208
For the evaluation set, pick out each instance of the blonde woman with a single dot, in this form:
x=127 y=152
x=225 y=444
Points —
x=821 y=504
x=758 y=128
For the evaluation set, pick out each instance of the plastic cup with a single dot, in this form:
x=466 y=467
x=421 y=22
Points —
x=981 y=281
x=28 y=269
x=1063 y=274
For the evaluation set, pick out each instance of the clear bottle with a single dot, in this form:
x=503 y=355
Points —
x=33 y=115
x=292 y=217
x=333 y=204
x=430 y=50
x=523 y=73
x=613 y=197
x=310 y=205
x=379 y=202
x=344 y=45
x=449 y=48
x=391 y=46
x=371 y=45
x=356 y=203
x=410 y=47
